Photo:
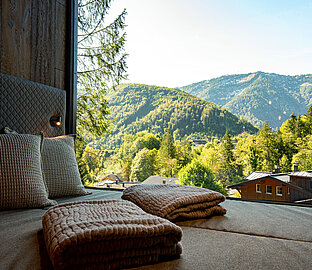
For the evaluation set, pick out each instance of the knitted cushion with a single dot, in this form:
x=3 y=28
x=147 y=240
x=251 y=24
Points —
x=176 y=202
x=60 y=168
x=110 y=234
x=21 y=181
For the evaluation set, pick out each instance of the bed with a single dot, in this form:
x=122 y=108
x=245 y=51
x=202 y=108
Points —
x=250 y=236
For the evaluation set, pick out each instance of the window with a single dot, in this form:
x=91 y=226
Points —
x=258 y=188
x=288 y=190
x=279 y=191
x=268 y=189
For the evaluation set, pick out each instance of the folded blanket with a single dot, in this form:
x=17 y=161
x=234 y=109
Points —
x=110 y=234
x=175 y=202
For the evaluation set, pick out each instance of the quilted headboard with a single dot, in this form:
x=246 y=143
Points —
x=27 y=107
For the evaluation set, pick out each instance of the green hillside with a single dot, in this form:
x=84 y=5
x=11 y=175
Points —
x=137 y=107
x=259 y=96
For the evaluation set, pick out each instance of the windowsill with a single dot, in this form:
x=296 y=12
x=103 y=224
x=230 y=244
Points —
x=258 y=192
x=279 y=194
x=268 y=193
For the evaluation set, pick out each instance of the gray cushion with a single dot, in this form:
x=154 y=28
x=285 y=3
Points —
x=21 y=181
x=60 y=168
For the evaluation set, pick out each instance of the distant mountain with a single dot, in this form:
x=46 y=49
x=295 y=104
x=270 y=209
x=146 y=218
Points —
x=258 y=96
x=137 y=107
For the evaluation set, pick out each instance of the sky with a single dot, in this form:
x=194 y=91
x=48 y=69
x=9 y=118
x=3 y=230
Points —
x=174 y=43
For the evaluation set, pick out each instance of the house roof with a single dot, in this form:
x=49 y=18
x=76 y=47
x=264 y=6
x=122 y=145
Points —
x=257 y=175
x=160 y=180
x=302 y=174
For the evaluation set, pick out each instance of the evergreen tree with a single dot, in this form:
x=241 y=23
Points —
x=268 y=152
x=166 y=161
x=285 y=164
x=291 y=125
x=253 y=159
x=302 y=128
x=183 y=153
x=226 y=151
x=101 y=66
x=167 y=148
x=309 y=119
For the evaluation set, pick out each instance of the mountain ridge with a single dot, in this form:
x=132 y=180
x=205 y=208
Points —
x=257 y=96
x=139 y=107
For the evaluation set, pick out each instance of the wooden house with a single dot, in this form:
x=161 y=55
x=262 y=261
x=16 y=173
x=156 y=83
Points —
x=283 y=187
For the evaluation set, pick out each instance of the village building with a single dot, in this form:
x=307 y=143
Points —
x=295 y=187
x=160 y=180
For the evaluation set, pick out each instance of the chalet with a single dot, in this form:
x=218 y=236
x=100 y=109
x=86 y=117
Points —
x=283 y=187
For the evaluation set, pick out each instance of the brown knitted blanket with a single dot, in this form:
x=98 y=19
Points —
x=176 y=202
x=110 y=234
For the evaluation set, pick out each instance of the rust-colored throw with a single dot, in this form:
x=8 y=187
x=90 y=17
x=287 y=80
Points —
x=176 y=202
x=109 y=234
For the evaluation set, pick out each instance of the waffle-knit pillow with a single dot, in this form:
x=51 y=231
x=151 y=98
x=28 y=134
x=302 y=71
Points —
x=21 y=181
x=60 y=169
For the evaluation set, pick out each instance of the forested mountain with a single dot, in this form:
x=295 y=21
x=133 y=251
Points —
x=259 y=96
x=137 y=107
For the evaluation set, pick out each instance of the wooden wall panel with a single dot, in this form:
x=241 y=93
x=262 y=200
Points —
x=33 y=40
x=43 y=41
x=60 y=43
x=16 y=37
x=60 y=36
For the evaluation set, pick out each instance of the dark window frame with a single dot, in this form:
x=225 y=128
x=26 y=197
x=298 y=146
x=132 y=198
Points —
x=266 y=189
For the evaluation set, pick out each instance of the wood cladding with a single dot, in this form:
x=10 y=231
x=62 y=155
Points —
x=33 y=40
x=248 y=191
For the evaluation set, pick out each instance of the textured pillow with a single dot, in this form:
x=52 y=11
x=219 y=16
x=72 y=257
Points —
x=21 y=181
x=60 y=168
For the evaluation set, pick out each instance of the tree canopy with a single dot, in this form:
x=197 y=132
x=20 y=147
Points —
x=101 y=64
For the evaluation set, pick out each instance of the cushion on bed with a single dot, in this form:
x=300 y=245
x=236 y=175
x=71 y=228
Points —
x=60 y=169
x=110 y=234
x=176 y=202
x=21 y=180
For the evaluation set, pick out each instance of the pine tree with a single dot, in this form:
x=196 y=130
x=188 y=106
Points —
x=285 y=164
x=101 y=64
x=309 y=118
x=167 y=148
x=267 y=146
x=226 y=151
